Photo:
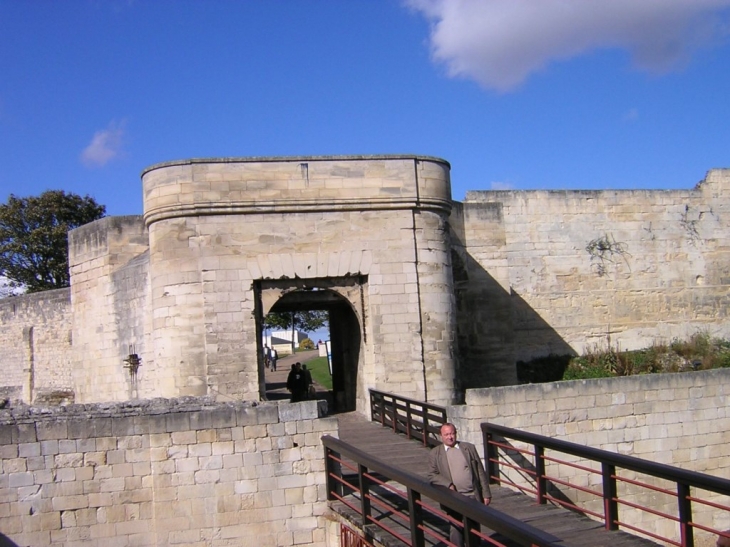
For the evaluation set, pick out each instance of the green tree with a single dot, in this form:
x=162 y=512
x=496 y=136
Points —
x=307 y=321
x=34 y=237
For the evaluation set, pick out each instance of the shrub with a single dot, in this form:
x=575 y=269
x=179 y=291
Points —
x=581 y=369
x=700 y=351
x=306 y=344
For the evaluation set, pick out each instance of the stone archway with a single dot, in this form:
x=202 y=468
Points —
x=343 y=298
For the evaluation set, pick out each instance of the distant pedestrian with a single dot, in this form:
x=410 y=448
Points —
x=274 y=359
x=309 y=384
x=267 y=356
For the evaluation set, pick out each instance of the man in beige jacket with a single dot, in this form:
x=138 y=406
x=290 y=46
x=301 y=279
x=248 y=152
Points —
x=457 y=466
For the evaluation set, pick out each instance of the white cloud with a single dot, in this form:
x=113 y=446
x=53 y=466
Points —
x=105 y=146
x=499 y=43
x=502 y=186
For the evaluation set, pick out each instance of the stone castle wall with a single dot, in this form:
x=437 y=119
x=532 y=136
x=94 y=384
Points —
x=36 y=341
x=186 y=472
x=454 y=293
x=679 y=419
x=564 y=271
x=109 y=262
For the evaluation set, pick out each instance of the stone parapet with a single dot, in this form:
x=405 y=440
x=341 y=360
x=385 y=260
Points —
x=161 y=472
x=221 y=186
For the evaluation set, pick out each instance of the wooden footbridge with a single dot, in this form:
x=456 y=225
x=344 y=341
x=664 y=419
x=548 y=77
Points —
x=377 y=482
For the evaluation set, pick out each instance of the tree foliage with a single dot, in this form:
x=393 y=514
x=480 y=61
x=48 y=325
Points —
x=307 y=320
x=34 y=237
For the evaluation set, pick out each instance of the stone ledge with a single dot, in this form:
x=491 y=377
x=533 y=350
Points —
x=183 y=413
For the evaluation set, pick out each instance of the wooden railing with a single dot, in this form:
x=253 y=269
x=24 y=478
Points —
x=415 y=419
x=409 y=511
x=686 y=491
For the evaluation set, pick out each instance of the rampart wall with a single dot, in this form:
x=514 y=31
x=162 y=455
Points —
x=36 y=340
x=558 y=272
x=679 y=419
x=185 y=472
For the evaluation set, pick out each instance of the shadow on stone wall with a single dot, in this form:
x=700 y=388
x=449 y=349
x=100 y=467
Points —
x=497 y=328
x=5 y=541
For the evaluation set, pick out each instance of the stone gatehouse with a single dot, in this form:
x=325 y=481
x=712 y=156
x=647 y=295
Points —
x=427 y=296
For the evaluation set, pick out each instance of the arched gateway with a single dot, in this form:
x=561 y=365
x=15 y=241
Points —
x=367 y=236
x=342 y=298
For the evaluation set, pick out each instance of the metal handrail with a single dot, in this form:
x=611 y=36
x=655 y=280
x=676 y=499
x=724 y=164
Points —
x=415 y=419
x=610 y=461
x=473 y=512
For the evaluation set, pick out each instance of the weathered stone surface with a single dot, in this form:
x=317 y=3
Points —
x=543 y=272
x=157 y=488
x=429 y=296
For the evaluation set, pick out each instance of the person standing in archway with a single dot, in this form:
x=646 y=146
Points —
x=296 y=383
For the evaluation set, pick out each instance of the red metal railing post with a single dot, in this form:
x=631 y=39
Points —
x=470 y=540
x=416 y=521
x=540 y=480
x=332 y=468
x=364 y=494
x=685 y=515
x=492 y=458
x=425 y=427
x=610 y=495
x=408 y=419
x=394 y=414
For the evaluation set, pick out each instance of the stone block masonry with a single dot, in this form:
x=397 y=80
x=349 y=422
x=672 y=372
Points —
x=36 y=341
x=562 y=272
x=184 y=472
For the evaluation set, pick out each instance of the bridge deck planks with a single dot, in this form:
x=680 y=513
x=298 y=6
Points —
x=574 y=529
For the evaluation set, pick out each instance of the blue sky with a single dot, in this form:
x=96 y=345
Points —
x=519 y=94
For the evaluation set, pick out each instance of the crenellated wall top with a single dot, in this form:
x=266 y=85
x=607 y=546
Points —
x=260 y=185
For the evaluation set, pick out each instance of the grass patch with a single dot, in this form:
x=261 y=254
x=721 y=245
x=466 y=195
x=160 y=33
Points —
x=320 y=371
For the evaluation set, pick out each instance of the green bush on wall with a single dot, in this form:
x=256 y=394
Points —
x=700 y=352
x=306 y=344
